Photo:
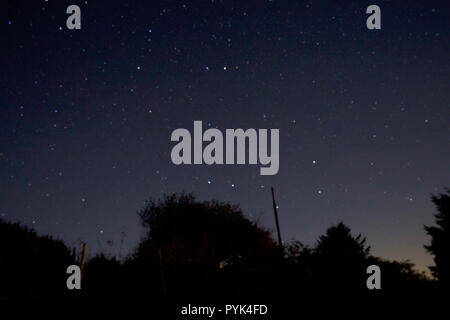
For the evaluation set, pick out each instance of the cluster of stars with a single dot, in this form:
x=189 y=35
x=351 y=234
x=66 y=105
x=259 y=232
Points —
x=99 y=106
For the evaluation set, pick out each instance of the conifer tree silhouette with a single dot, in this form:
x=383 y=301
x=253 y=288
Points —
x=440 y=239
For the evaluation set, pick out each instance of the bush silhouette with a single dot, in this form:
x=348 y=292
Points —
x=31 y=265
x=210 y=249
x=203 y=233
x=197 y=244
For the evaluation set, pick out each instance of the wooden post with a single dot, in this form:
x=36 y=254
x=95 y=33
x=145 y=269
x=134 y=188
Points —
x=275 y=211
x=83 y=258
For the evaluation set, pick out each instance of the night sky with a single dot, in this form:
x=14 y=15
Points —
x=86 y=115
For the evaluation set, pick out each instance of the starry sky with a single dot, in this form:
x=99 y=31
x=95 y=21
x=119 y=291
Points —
x=86 y=115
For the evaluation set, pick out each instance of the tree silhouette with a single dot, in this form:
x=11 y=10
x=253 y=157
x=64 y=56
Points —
x=210 y=249
x=297 y=253
x=341 y=256
x=440 y=239
x=339 y=242
x=194 y=240
x=203 y=232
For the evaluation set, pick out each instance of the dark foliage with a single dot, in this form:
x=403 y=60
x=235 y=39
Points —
x=440 y=239
x=210 y=250
x=31 y=265
x=101 y=276
x=342 y=258
x=203 y=233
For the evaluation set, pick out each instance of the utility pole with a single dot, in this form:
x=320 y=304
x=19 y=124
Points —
x=280 y=243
